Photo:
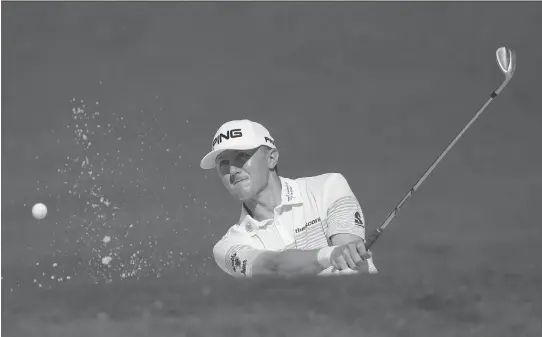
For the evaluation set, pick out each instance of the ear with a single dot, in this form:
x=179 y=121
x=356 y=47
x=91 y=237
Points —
x=273 y=158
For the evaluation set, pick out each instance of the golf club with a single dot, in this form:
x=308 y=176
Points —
x=506 y=59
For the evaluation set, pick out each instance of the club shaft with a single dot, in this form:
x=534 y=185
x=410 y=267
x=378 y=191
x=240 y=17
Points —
x=374 y=236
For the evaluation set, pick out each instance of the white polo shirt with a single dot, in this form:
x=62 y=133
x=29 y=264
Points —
x=312 y=210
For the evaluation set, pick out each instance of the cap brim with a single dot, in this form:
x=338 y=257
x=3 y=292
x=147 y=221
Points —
x=209 y=161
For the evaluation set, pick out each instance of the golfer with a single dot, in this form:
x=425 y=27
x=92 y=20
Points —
x=288 y=227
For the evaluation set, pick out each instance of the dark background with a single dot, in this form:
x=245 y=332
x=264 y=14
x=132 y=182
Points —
x=374 y=91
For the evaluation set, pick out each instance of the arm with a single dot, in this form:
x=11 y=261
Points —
x=344 y=217
x=241 y=260
x=345 y=220
x=293 y=262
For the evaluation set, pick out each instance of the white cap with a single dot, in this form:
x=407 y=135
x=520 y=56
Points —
x=237 y=135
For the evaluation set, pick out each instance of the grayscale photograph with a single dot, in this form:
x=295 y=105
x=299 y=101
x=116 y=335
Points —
x=271 y=168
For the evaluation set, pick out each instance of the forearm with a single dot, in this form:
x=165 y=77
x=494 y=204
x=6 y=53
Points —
x=293 y=262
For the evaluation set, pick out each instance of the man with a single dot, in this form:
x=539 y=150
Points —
x=288 y=227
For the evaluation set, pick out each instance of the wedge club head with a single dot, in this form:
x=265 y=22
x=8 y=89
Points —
x=506 y=58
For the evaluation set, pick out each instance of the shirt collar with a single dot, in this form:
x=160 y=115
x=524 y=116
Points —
x=290 y=195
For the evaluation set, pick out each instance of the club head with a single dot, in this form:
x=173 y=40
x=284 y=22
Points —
x=506 y=58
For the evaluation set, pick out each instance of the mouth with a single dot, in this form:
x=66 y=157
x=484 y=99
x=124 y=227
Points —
x=238 y=181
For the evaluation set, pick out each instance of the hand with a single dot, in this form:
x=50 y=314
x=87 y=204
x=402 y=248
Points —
x=350 y=256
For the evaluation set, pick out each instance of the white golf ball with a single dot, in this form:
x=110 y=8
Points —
x=39 y=211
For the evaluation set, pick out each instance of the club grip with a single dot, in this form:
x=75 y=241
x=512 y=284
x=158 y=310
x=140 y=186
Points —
x=372 y=238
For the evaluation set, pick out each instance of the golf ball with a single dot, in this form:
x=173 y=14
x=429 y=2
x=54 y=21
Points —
x=39 y=211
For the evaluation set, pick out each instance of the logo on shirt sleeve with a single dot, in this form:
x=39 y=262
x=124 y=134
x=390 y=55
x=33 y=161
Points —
x=358 y=220
x=236 y=264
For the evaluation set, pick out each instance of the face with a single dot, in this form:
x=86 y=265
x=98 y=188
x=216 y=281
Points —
x=245 y=173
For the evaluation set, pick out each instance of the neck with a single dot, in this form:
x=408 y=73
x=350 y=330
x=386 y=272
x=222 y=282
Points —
x=262 y=207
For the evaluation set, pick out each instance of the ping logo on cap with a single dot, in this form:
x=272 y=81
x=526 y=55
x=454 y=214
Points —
x=233 y=133
x=267 y=139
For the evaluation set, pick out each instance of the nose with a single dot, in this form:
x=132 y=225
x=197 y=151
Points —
x=233 y=178
x=234 y=171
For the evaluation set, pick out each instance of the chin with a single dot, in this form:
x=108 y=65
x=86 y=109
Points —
x=241 y=194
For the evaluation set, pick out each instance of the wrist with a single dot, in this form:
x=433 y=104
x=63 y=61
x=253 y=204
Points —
x=324 y=256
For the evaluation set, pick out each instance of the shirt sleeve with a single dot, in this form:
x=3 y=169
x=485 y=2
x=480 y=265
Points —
x=235 y=257
x=343 y=211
